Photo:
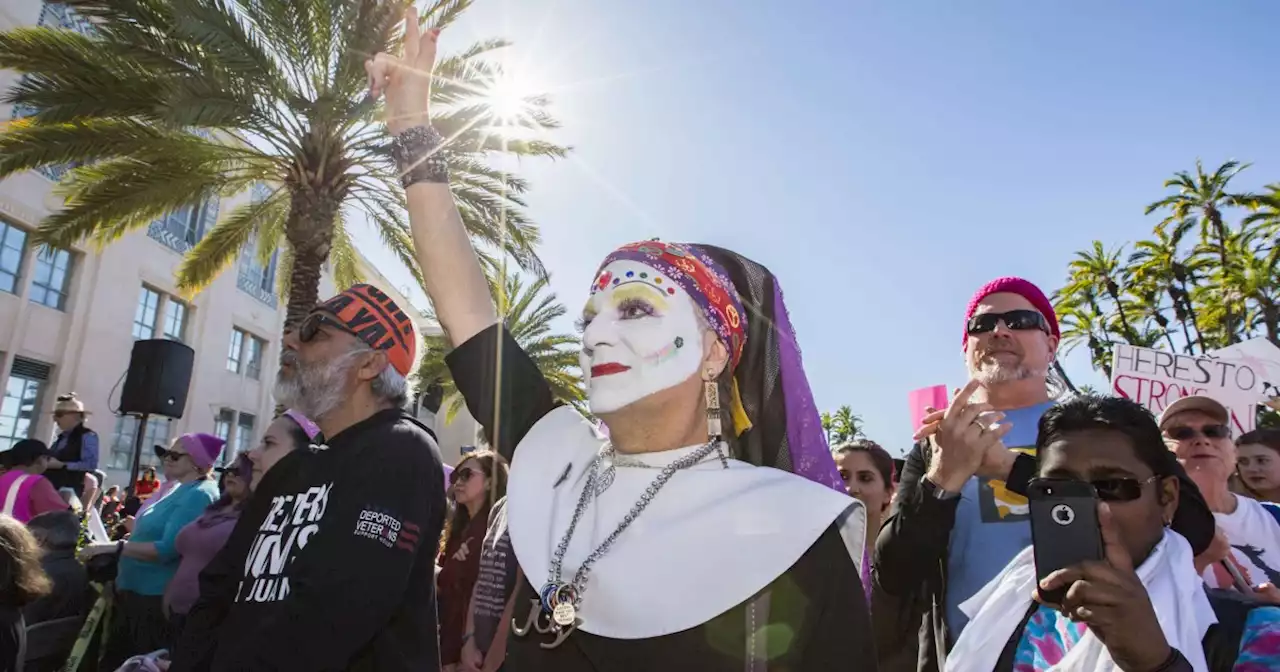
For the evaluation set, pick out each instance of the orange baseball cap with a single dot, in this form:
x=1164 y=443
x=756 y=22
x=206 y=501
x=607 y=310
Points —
x=375 y=319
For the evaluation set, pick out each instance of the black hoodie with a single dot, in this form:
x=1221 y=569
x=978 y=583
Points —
x=332 y=565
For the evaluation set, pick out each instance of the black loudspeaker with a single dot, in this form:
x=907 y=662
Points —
x=158 y=378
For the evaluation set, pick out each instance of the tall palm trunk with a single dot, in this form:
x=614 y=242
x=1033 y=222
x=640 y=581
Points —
x=1113 y=291
x=1191 y=314
x=1220 y=230
x=1271 y=318
x=1180 y=314
x=309 y=231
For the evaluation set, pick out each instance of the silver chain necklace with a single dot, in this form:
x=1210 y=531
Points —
x=561 y=599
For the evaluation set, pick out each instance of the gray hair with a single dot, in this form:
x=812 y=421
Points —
x=390 y=385
x=56 y=530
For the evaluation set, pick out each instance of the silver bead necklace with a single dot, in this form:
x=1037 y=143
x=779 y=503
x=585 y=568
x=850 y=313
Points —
x=561 y=599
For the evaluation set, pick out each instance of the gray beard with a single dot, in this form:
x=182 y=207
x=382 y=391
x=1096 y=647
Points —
x=994 y=373
x=314 y=390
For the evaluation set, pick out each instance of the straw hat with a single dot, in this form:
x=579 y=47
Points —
x=68 y=403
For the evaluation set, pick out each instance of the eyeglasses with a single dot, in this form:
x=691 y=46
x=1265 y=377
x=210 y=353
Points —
x=311 y=326
x=1183 y=432
x=1017 y=320
x=174 y=456
x=1120 y=489
x=461 y=475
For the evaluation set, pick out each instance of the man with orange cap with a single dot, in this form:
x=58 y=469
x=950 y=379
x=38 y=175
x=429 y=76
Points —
x=332 y=564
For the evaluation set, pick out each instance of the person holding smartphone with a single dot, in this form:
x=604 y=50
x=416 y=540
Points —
x=1140 y=607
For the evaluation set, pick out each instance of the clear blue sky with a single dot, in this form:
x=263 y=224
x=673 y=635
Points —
x=884 y=159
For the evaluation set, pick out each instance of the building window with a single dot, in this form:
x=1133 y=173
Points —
x=244 y=435
x=51 y=278
x=175 y=320
x=235 y=352
x=222 y=424
x=12 y=241
x=156 y=434
x=21 y=399
x=253 y=358
x=144 y=319
x=180 y=229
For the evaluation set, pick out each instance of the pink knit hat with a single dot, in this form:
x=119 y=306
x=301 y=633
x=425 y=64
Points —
x=1024 y=288
x=203 y=448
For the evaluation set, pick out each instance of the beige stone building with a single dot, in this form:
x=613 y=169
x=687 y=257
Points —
x=68 y=318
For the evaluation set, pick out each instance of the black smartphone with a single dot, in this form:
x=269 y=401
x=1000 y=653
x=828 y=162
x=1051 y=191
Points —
x=1064 y=527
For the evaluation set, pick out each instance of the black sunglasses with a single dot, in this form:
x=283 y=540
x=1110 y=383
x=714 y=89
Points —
x=1017 y=320
x=311 y=326
x=1184 y=433
x=1120 y=489
x=172 y=455
x=461 y=475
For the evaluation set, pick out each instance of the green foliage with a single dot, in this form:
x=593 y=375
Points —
x=841 y=426
x=528 y=311
x=1207 y=278
x=171 y=102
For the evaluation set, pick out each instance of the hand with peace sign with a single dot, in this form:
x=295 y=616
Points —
x=406 y=81
x=964 y=439
x=1108 y=596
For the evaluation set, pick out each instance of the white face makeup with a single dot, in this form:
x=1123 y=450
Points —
x=642 y=336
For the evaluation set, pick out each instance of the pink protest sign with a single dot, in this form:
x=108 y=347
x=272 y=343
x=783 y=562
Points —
x=917 y=400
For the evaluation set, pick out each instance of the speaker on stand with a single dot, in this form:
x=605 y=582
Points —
x=157 y=383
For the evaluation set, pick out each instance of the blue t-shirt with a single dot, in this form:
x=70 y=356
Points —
x=160 y=524
x=992 y=524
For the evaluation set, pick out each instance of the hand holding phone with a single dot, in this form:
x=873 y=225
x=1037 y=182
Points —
x=1064 y=528
x=1103 y=592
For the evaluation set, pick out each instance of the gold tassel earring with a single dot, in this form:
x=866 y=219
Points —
x=715 y=432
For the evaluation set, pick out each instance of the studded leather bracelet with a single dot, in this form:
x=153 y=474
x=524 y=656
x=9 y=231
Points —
x=418 y=156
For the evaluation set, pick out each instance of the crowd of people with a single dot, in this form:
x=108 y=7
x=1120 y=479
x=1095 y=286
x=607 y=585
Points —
x=698 y=520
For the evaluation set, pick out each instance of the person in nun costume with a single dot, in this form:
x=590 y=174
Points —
x=710 y=531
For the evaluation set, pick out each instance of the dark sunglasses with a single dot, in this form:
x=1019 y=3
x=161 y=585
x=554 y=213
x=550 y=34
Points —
x=461 y=475
x=173 y=455
x=1184 y=433
x=1120 y=489
x=1017 y=320
x=311 y=326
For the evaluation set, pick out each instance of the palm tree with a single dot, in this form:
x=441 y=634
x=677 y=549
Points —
x=1205 y=196
x=846 y=425
x=275 y=92
x=1099 y=271
x=528 y=311
x=1254 y=275
x=1159 y=264
x=1082 y=320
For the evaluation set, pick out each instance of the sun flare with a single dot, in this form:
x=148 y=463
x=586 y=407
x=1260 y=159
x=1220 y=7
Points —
x=508 y=98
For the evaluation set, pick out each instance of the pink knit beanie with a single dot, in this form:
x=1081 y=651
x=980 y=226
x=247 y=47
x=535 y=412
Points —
x=203 y=448
x=1024 y=288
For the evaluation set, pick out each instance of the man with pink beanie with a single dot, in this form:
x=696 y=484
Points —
x=961 y=514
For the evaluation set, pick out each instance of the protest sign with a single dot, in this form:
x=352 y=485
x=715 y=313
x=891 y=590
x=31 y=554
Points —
x=918 y=400
x=1157 y=378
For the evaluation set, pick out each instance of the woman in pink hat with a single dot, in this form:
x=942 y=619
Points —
x=149 y=560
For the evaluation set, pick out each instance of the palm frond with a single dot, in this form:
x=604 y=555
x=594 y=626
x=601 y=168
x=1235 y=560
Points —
x=222 y=244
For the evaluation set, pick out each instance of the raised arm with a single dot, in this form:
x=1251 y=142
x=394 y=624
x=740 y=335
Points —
x=504 y=389
x=455 y=282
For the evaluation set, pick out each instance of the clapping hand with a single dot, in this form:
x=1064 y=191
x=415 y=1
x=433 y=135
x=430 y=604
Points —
x=966 y=440
x=1108 y=596
x=406 y=80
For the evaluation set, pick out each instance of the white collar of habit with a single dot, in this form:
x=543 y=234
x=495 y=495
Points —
x=710 y=539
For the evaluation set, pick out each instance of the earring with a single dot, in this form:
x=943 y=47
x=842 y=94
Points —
x=714 y=430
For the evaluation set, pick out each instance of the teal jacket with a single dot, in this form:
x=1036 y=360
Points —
x=160 y=525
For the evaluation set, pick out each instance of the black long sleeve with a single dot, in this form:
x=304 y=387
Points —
x=913 y=539
x=491 y=360
x=356 y=583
